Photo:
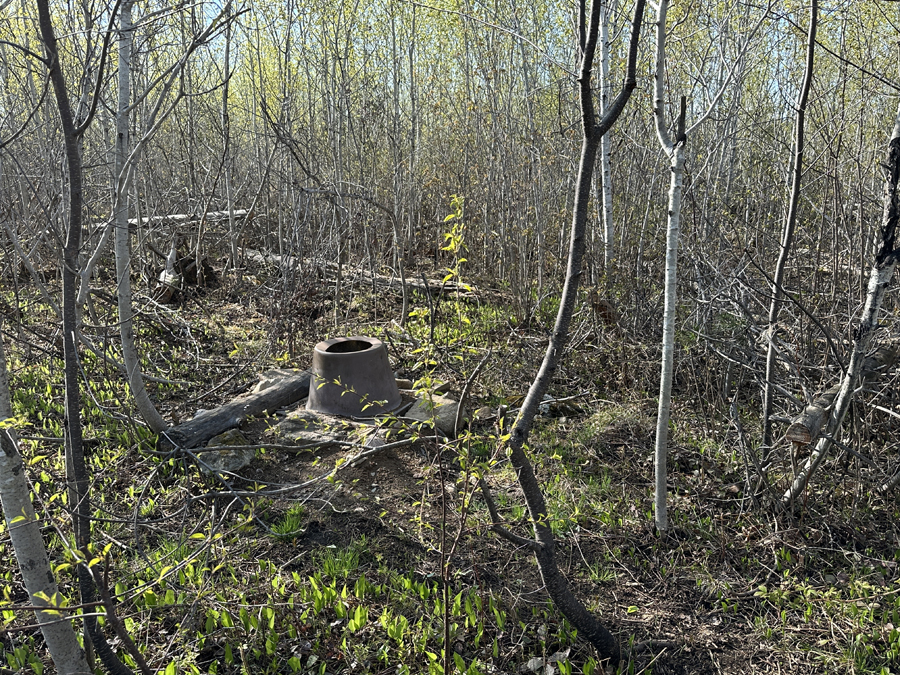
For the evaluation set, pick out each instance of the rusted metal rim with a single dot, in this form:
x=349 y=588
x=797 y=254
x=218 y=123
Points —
x=352 y=377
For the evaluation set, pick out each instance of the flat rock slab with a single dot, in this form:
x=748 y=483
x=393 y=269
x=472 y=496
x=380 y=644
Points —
x=307 y=427
x=227 y=459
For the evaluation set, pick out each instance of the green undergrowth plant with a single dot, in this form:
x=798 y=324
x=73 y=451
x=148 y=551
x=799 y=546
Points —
x=464 y=319
x=337 y=612
x=291 y=523
x=213 y=581
x=861 y=607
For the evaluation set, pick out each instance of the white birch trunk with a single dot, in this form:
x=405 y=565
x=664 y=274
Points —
x=122 y=233
x=879 y=277
x=25 y=534
x=674 y=150
x=673 y=232
x=676 y=161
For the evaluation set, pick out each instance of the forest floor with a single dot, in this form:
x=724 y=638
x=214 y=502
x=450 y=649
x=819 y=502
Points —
x=346 y=574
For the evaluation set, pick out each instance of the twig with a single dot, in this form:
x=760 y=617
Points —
x=275 y=446
x=648 y=645
x=891 y=484
x=114 y=620
x=842 y=446
x=44 y=608
x=221 y=384
x=825 y=332
x=762 y=480
x=496 y=526
x=37 y=626
x=465 y=392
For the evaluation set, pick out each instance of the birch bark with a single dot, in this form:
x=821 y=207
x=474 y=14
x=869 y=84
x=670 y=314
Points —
x=126 y=155
x=879 y=277
x=122 y=237
x=674 y=150
x=25 y=534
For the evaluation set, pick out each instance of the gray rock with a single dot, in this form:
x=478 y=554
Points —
x=441 y=409
x=443 y=387
x=307 y=426
x=227 y=460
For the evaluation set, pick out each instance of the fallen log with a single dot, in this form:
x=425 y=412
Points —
x=189 y=218
x=356 y=274
x=196 y=432
x=806 y=427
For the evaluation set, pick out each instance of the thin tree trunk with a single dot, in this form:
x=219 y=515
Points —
x=77 y=479
x=605 y=172
x=76 y=474
x=122 y=239
x=226 y=151
x=544 y=545
x=673 y=234
x=674 y=150
x=400 y=242
x=880 y=276
x=787 y=236
x=25 y=534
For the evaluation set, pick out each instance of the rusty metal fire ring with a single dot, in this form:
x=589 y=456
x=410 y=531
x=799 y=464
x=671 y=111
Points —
x=352 y=377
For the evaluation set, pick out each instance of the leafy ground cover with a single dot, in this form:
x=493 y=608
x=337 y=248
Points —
x=365 y=570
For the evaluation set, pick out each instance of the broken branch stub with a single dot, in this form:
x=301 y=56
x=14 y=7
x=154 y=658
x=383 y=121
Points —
x=807 y=426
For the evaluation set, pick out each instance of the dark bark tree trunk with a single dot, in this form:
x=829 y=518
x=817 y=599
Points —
x=544 y=545
x=77 y=479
